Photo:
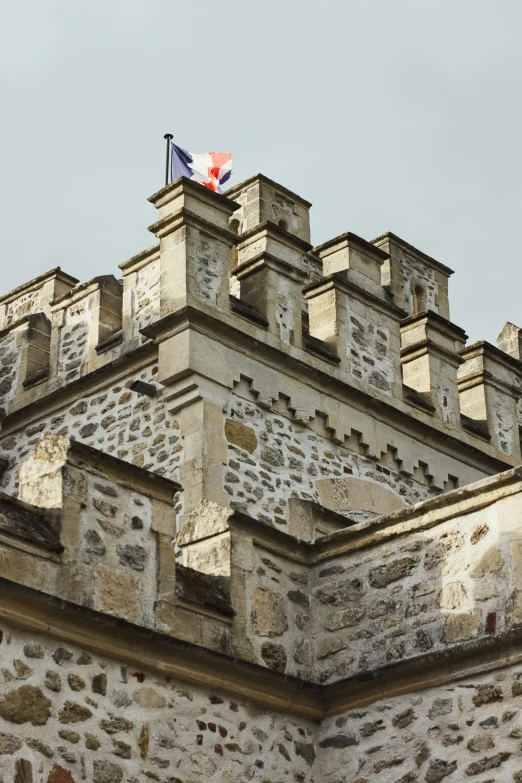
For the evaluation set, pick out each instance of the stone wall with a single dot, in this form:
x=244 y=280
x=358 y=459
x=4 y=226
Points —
x=467 y=731
x=416 y=273
x=145 y=298
x=68 y=715
x=272 y=458
x=413 y=595
x=367 y=343
x=74 y=341
x=74 y=716
x=9 y=367
x=114 y=419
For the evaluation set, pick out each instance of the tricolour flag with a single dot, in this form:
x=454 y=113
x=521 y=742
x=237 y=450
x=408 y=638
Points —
x=211 y=169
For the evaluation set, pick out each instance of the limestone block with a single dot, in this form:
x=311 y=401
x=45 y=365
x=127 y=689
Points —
x=460 y=627
x=268 y=613
x=348 y=494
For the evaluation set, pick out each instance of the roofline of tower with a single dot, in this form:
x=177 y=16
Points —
x=36 y=283
x=432 y=261
x=266 y=181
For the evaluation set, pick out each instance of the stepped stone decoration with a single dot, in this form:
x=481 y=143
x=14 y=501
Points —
x=260 y=513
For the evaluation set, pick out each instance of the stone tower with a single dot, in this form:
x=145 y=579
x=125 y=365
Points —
x=261 y=513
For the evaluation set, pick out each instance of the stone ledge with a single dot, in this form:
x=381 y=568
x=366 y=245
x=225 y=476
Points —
x=121 y=640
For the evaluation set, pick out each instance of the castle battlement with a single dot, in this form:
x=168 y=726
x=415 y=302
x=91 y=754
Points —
x=330 y=333
x=259 y=502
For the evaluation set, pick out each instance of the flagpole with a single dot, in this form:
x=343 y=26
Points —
x=167 y=136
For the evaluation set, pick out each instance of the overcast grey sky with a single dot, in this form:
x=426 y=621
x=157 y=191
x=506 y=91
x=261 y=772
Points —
x=389 y=115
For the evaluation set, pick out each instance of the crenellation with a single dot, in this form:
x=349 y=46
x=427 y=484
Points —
x=489 y=392
x=34 y=296
x=510 y=340
x=430 y=357
x=261 y=200
x=362 y=328
x=259 y=513
x=416 y=280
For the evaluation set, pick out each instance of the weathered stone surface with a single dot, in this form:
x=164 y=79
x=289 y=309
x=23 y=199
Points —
x=23 y=771
x=340 y=740
x=460 y=627
x=403 y=719
x=273 y=456
x=487 y=694
x=40 y=747
x=75 y=682
x=107 y=772
x=344 y=618
x=240 y=435
x=61 y=656
x=306 y=750
x=274 y=655
x=491 y=562
x=481 y=742
x=132 y=556
x=72 y=712
x=94 y=543
x=339 y=592
x=60 y=775
x=452 y=596
x=438 y=769
x=268 y=613
x=122 y=749
x=53 y=681
x=91 y=741
x=26 y=704
x=114 y=724
x=9 y=743
x=340 y=494
x=488 y=762
x=440 y=707
x=99 y=684
x=385 y=574
x=144 y=741
x=33 y=650
x=149 y=699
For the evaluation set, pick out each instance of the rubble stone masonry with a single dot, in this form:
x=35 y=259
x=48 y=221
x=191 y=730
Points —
x=260 y=513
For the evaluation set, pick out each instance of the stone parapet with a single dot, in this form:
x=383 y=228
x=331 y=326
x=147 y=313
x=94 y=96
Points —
x=417 y=281
x=489 y=392
x=430 y=359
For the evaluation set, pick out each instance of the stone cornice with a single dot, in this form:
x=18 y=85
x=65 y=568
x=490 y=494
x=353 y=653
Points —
x=38 y=282
x=270 y=229
x=147 y=648
x=140 y=259
x=184 y=184
x=415 y=251
x=264 y=180
x=344 y=240
x=342 y=282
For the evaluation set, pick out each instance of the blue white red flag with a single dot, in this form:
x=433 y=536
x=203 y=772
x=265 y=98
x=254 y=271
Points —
x=211 y=169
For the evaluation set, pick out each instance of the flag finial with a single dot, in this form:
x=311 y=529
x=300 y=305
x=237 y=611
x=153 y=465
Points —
x=168 y=137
